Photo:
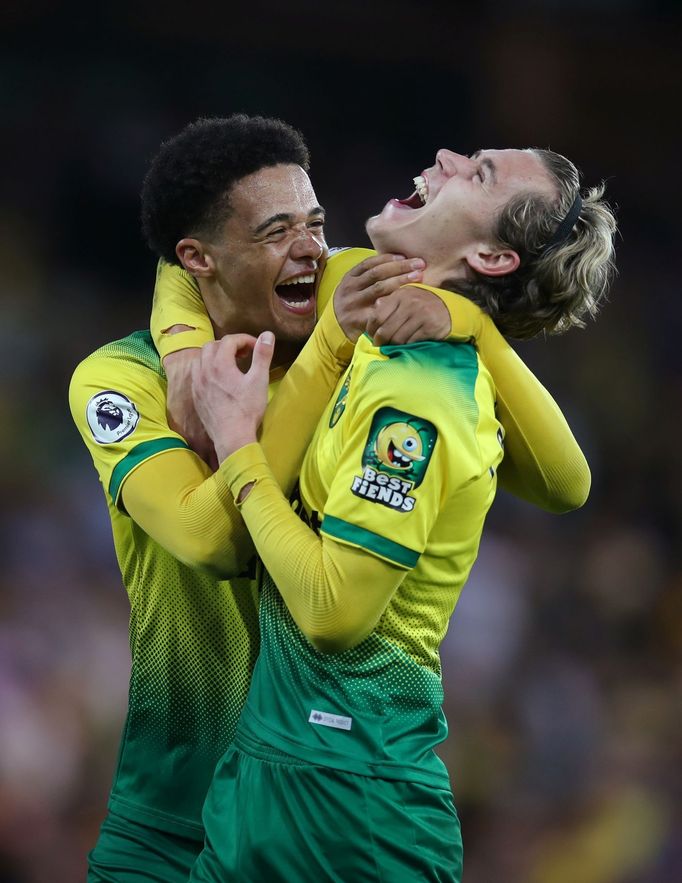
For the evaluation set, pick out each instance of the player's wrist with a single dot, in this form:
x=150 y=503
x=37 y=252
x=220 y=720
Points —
x=234 y=441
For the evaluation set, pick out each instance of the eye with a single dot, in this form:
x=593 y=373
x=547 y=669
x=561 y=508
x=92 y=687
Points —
x=276 y=233
x=410 y=443
x=317 y=224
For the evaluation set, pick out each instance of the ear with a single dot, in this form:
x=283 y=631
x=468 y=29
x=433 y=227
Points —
x=493 y=263
x=194 y=258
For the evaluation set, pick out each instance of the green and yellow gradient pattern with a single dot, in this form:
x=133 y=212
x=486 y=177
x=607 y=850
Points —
x=193 y=638
x=386 y=691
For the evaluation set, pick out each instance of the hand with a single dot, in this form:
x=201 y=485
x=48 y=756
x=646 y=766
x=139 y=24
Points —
x=372 y=278
x=182 y=415
x=229 y=401
x=408 y=315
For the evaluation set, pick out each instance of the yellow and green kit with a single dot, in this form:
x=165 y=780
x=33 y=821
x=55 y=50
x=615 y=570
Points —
x=402 y=466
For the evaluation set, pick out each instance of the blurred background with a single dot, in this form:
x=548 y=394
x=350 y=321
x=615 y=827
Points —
x=562 y=664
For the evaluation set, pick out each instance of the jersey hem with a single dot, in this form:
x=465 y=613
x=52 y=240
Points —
x=155 y=818
x=261 y=746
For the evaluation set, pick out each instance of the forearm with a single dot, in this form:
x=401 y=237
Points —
x=295 y=409
x=543 y=463
x=189 y=512
x=177 y=302
x=335 y=594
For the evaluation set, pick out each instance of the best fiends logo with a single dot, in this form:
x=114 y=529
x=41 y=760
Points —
x=395 y=459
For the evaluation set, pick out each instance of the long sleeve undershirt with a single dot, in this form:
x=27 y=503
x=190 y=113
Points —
x=543 y=463
x=323 y=583
x=175 y=499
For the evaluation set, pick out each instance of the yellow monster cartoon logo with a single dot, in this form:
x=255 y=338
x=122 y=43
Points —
x=399 y=446
x=395 y=459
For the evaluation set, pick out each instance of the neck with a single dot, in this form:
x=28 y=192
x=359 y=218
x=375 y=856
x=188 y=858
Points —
x=436 y=272
x=285 y=353
x=225 y=320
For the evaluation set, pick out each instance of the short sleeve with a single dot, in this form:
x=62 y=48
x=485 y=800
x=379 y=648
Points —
x=409 y=442
x=119 y=408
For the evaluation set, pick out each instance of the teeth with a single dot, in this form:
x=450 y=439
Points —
x=421 y=188
x=310 y=278
x=296 y=303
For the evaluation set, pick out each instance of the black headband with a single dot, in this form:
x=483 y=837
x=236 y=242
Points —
x=563 y=231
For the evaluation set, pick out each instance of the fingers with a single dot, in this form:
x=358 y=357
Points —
x=393 y=325
x=374 y=261
x=372 y=278
x=384 y=274
x=408 y=316
x=235 y=345
x=263 y=351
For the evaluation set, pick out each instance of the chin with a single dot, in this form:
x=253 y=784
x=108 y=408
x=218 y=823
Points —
x=295 y=332
x=378 y=235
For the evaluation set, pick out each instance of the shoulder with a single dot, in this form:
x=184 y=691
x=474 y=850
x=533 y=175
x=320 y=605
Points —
x=127 y=372
x=444 y=361
x=442 y=381
x=131 y=355
x=137 y=349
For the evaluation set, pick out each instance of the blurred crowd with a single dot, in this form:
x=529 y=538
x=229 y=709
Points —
x=562 y=663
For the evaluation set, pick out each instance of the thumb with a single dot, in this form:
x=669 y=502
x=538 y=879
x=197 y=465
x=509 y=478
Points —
x=263 y=352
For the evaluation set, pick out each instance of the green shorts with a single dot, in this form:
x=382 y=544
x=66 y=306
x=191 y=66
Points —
x=128 y=852
x=275 y=819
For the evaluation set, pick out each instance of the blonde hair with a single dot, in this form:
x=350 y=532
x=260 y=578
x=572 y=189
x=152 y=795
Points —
x=555 y=288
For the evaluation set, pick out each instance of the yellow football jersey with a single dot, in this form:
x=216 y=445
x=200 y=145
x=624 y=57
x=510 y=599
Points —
x=193 y=638
x=403 y=465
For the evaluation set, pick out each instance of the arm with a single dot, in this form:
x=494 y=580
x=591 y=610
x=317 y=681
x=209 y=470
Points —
x=177 y=304
x=543 y=463
x=323 y=583
x=180 y=326
x=311 y=573
x=311 y=380
x=303 y=394
x=337 y=585
x=176 y=500
x=150 y=474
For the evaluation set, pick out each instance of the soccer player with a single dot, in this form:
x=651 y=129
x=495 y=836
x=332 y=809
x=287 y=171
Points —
x=178 y=536
x=332 y=774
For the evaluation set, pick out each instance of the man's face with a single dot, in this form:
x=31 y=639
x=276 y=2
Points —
x=456 y=203
x=266 y=255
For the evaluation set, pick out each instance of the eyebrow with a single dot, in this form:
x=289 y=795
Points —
x=488 y=163
x=285 y=217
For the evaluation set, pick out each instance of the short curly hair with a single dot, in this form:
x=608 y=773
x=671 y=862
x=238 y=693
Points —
x=553 y=289
x=187 y=188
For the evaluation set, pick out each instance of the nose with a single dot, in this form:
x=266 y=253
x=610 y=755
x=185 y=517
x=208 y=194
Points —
x=307 y=245
x=454 y=163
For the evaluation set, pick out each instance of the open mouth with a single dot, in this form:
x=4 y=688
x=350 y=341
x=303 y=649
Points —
x=397 y=458
x=421 y=192
x=297 y=294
